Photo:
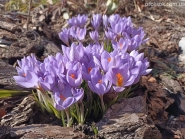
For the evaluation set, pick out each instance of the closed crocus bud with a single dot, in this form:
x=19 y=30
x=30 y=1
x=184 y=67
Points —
x=110 y=35
x=80 y=33
x=105 y=21
x=73 y=22
x=96 y=21
x=114 y=19
x=78 y=21
x=81 y=20
x=94 y=35
x=64 y=36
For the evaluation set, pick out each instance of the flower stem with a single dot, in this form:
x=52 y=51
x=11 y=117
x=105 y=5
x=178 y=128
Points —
x=68 y=119
x=62 y=117
x=77 y=112
x=102 y=104
x=81 y=113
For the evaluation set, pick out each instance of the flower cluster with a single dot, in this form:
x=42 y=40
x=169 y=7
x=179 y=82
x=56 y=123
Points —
x=106 y=65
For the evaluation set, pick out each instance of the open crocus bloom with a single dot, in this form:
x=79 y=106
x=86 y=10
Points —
x=108 y=62
x=99 y=83
x=28 y=80
x=28 y=72
x=121 y=77
x=67 y=97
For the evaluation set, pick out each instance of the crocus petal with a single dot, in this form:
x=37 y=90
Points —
x=118 y=89
x=68 y=102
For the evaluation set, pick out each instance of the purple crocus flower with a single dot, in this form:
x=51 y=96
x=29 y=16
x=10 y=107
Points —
x=73 y=65
x=28 y=63
x=86 y=69
x=140 y=62
x=136 y=55
x=73 y=53
x=52 y=66
x=93 y=50
x=81 y=20
x=96 y=21
x=28 y=80
x=99 y=83
x=78 y=21
x=66 y=97
x=122 y=45
x=28 y=72
x=72 y=22
x=64 y=36
x=47 y=82
x=136 y=39
x=78 y=33
x=110 y=35
x=121 y=77
x=105 y=21
x=74 y=78
x=128 y=22
x=118 y=28
x=114 y=19
x=94 y=35
x=107 y=61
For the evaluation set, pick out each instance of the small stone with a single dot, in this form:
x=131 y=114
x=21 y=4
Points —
x=151 y=80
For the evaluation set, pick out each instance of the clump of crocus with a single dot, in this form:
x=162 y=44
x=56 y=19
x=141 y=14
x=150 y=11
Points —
x=66 y=83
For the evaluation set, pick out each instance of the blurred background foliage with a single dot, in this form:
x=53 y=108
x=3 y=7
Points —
x=23 y=5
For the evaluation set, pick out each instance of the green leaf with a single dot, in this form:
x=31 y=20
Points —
x=74 y=115
x=95 y=130
x=41 y=105
x=12 y=93
x=55 y=111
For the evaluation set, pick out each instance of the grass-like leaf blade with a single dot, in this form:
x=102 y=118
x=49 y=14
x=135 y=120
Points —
x=12 y=93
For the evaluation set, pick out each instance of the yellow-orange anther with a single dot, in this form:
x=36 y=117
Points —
x=73 y=76
x=119 y=79
x=89 y=70
x=109 y=59
x=24 y=75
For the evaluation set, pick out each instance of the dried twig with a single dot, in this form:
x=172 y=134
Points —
x=78 y=4
x=29 y=10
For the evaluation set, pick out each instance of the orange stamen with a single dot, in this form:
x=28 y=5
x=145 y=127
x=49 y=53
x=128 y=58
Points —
x=119 y=79
x=73 y=76
x=89 y=70
x=109 y=59
x=62 y=97
x=100 y=81
x=24 y=75
x=120 y=45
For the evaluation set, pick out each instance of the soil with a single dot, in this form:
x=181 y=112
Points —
x=162 y=91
